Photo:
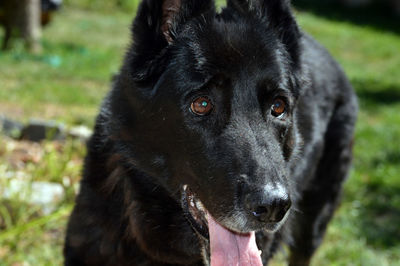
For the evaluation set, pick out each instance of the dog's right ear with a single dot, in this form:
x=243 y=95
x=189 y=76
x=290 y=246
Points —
x=157 y=24
x=278 y=16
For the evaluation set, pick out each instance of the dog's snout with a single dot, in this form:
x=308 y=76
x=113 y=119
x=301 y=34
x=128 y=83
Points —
x=271 y=211
x=269 y=205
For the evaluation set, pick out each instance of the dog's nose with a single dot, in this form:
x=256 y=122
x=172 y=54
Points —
x=269 y=205
x=271 y=211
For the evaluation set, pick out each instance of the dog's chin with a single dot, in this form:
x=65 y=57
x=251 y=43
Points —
x=240 y=223
x=234 y=220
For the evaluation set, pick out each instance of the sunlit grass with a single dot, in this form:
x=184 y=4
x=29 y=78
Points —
x=82 y=50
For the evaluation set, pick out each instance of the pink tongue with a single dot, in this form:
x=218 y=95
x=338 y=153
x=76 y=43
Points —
x=232 y=249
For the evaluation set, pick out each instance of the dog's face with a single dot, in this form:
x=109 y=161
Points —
x=210 y=107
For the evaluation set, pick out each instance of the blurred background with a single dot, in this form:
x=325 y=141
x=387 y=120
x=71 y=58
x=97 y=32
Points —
x=56 y=64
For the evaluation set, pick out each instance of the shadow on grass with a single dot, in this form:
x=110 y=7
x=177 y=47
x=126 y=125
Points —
x=376 y=16
x=389 y=157
x=380 y=217
x=372 y=93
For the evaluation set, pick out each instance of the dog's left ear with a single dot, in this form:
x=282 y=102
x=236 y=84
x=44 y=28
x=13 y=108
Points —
x=177 y=12
x=157 y=24
x=278 y=16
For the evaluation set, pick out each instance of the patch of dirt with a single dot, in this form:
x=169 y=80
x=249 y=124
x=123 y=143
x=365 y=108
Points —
x=4 y=251
x=46 y=111
x=19 y=153
x=12 y=110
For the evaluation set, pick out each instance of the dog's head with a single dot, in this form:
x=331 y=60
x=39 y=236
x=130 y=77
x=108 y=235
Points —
x=208 y=102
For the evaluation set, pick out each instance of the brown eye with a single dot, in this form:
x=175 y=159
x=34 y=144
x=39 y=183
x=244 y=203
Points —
x=278 y=107
x=201 y=106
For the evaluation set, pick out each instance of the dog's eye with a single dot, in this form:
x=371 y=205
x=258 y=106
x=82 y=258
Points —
x=201 y=106
x=278 y=107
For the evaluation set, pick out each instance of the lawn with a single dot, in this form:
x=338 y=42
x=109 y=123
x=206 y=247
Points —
x=83 y=49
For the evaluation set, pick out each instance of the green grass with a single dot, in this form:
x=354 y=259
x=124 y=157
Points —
x=27 y=234
x=84 y=47
x=366 y=228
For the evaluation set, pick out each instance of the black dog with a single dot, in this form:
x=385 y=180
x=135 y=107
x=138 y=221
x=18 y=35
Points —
x=224 y=134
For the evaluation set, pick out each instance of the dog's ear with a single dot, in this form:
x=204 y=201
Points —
x=162 y=18
x=277 y=15
x=156 y=26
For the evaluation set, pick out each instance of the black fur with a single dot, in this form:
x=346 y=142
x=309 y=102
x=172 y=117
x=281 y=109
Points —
x=147 y=143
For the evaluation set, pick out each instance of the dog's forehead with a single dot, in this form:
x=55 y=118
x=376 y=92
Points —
x=233 y=46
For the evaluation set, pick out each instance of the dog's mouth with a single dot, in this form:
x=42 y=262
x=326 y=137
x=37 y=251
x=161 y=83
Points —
x=195 y=212
x=226 y=247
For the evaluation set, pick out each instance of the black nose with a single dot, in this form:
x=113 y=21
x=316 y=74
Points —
x=268 y=206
